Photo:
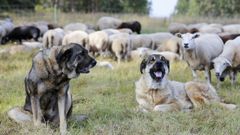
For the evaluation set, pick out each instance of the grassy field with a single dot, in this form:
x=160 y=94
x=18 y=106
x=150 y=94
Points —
x=108 y=98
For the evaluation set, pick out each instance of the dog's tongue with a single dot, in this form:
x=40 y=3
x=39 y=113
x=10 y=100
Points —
x=158 y=74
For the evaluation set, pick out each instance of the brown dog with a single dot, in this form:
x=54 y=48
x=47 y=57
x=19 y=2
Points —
x=48 y=98
x=154 y=92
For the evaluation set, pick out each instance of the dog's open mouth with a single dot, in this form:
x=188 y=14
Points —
x=157 y=74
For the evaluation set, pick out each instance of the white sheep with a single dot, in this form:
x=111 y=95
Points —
x=228 y=61
x=160 y=37
x=141 y=40
x=232 y=28
x=2 y=33
x=75 y=26
x=211 y=28
x=120 y=46
x=79 y=37
x=7 y=25
x=177 y=28
x=53 y=37
x=98 y=42
x=199 y=50
x=108 y=22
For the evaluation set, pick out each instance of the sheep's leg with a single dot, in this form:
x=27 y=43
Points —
x=207 y=75
x=194 y=74
x=233 y=75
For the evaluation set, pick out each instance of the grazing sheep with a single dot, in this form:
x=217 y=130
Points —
x=79 y=37
x=211 y=28
x=43 y=28
x=172 y=45
x=108 y=22
x=200 y=50
x=75 y=26
x=22 y=32
x=225 y=36
x=194 y=28
x=142 y=40
x=8 y=25
x=98 y=42
x=228 y=60
x=120 y=46
x=159 y=38
x=53 y=38
x=232 y=28
x=2 y=33
x=135 y=26
x=125 y=30
x=177 y=28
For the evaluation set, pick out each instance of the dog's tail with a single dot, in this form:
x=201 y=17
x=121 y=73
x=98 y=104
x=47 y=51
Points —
x=19 y=115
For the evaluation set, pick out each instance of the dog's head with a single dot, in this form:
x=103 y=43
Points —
x=157 y=66
x=73 y=59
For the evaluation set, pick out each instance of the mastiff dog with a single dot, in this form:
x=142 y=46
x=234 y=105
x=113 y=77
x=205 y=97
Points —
x=155 y=92
x=48 y=98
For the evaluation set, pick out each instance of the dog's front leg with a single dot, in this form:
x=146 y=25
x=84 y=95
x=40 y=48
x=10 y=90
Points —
x=36 y=110
x=62 y=108
x=166 y=107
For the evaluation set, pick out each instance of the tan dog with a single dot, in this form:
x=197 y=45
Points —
x=154 y=92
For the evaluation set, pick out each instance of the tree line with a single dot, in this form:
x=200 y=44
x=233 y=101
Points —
x=114 y=6
x=215 y=8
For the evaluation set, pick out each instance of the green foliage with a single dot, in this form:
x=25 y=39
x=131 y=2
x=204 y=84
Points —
x=111 y=6
x=208 y=7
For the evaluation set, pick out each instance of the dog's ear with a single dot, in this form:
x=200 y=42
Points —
x=143 y=65
x=64 y=55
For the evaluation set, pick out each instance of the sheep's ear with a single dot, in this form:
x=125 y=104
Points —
x=196 y=35
x=228 y=63
x=178 y=35
x=143 y=65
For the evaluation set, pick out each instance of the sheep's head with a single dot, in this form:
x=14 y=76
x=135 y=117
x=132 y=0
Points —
x=220 y=66
x=188 y=42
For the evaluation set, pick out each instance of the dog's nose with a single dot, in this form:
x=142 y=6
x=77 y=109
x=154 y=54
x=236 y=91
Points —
x=185 y=45
x=94 y=62
x=158 y=63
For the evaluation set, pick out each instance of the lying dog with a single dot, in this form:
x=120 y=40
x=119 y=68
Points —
x=154 y=92
x=47 y=84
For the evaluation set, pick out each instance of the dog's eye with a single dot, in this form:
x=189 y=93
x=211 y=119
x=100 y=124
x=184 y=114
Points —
x=162 y=58
x=152 y=59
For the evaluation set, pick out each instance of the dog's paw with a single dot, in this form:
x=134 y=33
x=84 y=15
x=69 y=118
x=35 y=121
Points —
x=162 y=108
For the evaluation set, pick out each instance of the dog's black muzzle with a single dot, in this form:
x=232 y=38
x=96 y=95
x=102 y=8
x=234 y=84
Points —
x=157 y=72
x=86 y=68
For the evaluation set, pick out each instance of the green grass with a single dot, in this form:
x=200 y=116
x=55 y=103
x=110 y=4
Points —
x=108 y=96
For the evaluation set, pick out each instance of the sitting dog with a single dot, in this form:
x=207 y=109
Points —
x=154 y=92
x=48 y=98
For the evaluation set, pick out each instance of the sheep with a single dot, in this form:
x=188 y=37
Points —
x=108 y=22
x=211 y=28
x=53 y=38
x=135 y=26
x=98 y=42
x=8 y=25
x=228 y=61
x=125 y=30
x=226 y=36
x=172 y=45
x=232 y=28
x=159 y=38
x=2 y=33
x=194 y=28
x=177 y=28
x=120 y=46
x=111 y=31
x=199 y=50
x=79 y=37
x=75 y=26
x=142 y=40
x=22 y=32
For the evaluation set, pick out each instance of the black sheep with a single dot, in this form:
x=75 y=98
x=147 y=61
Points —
x=135 y=26
x=22 y=33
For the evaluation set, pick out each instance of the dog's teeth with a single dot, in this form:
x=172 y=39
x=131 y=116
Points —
x=158 y=74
